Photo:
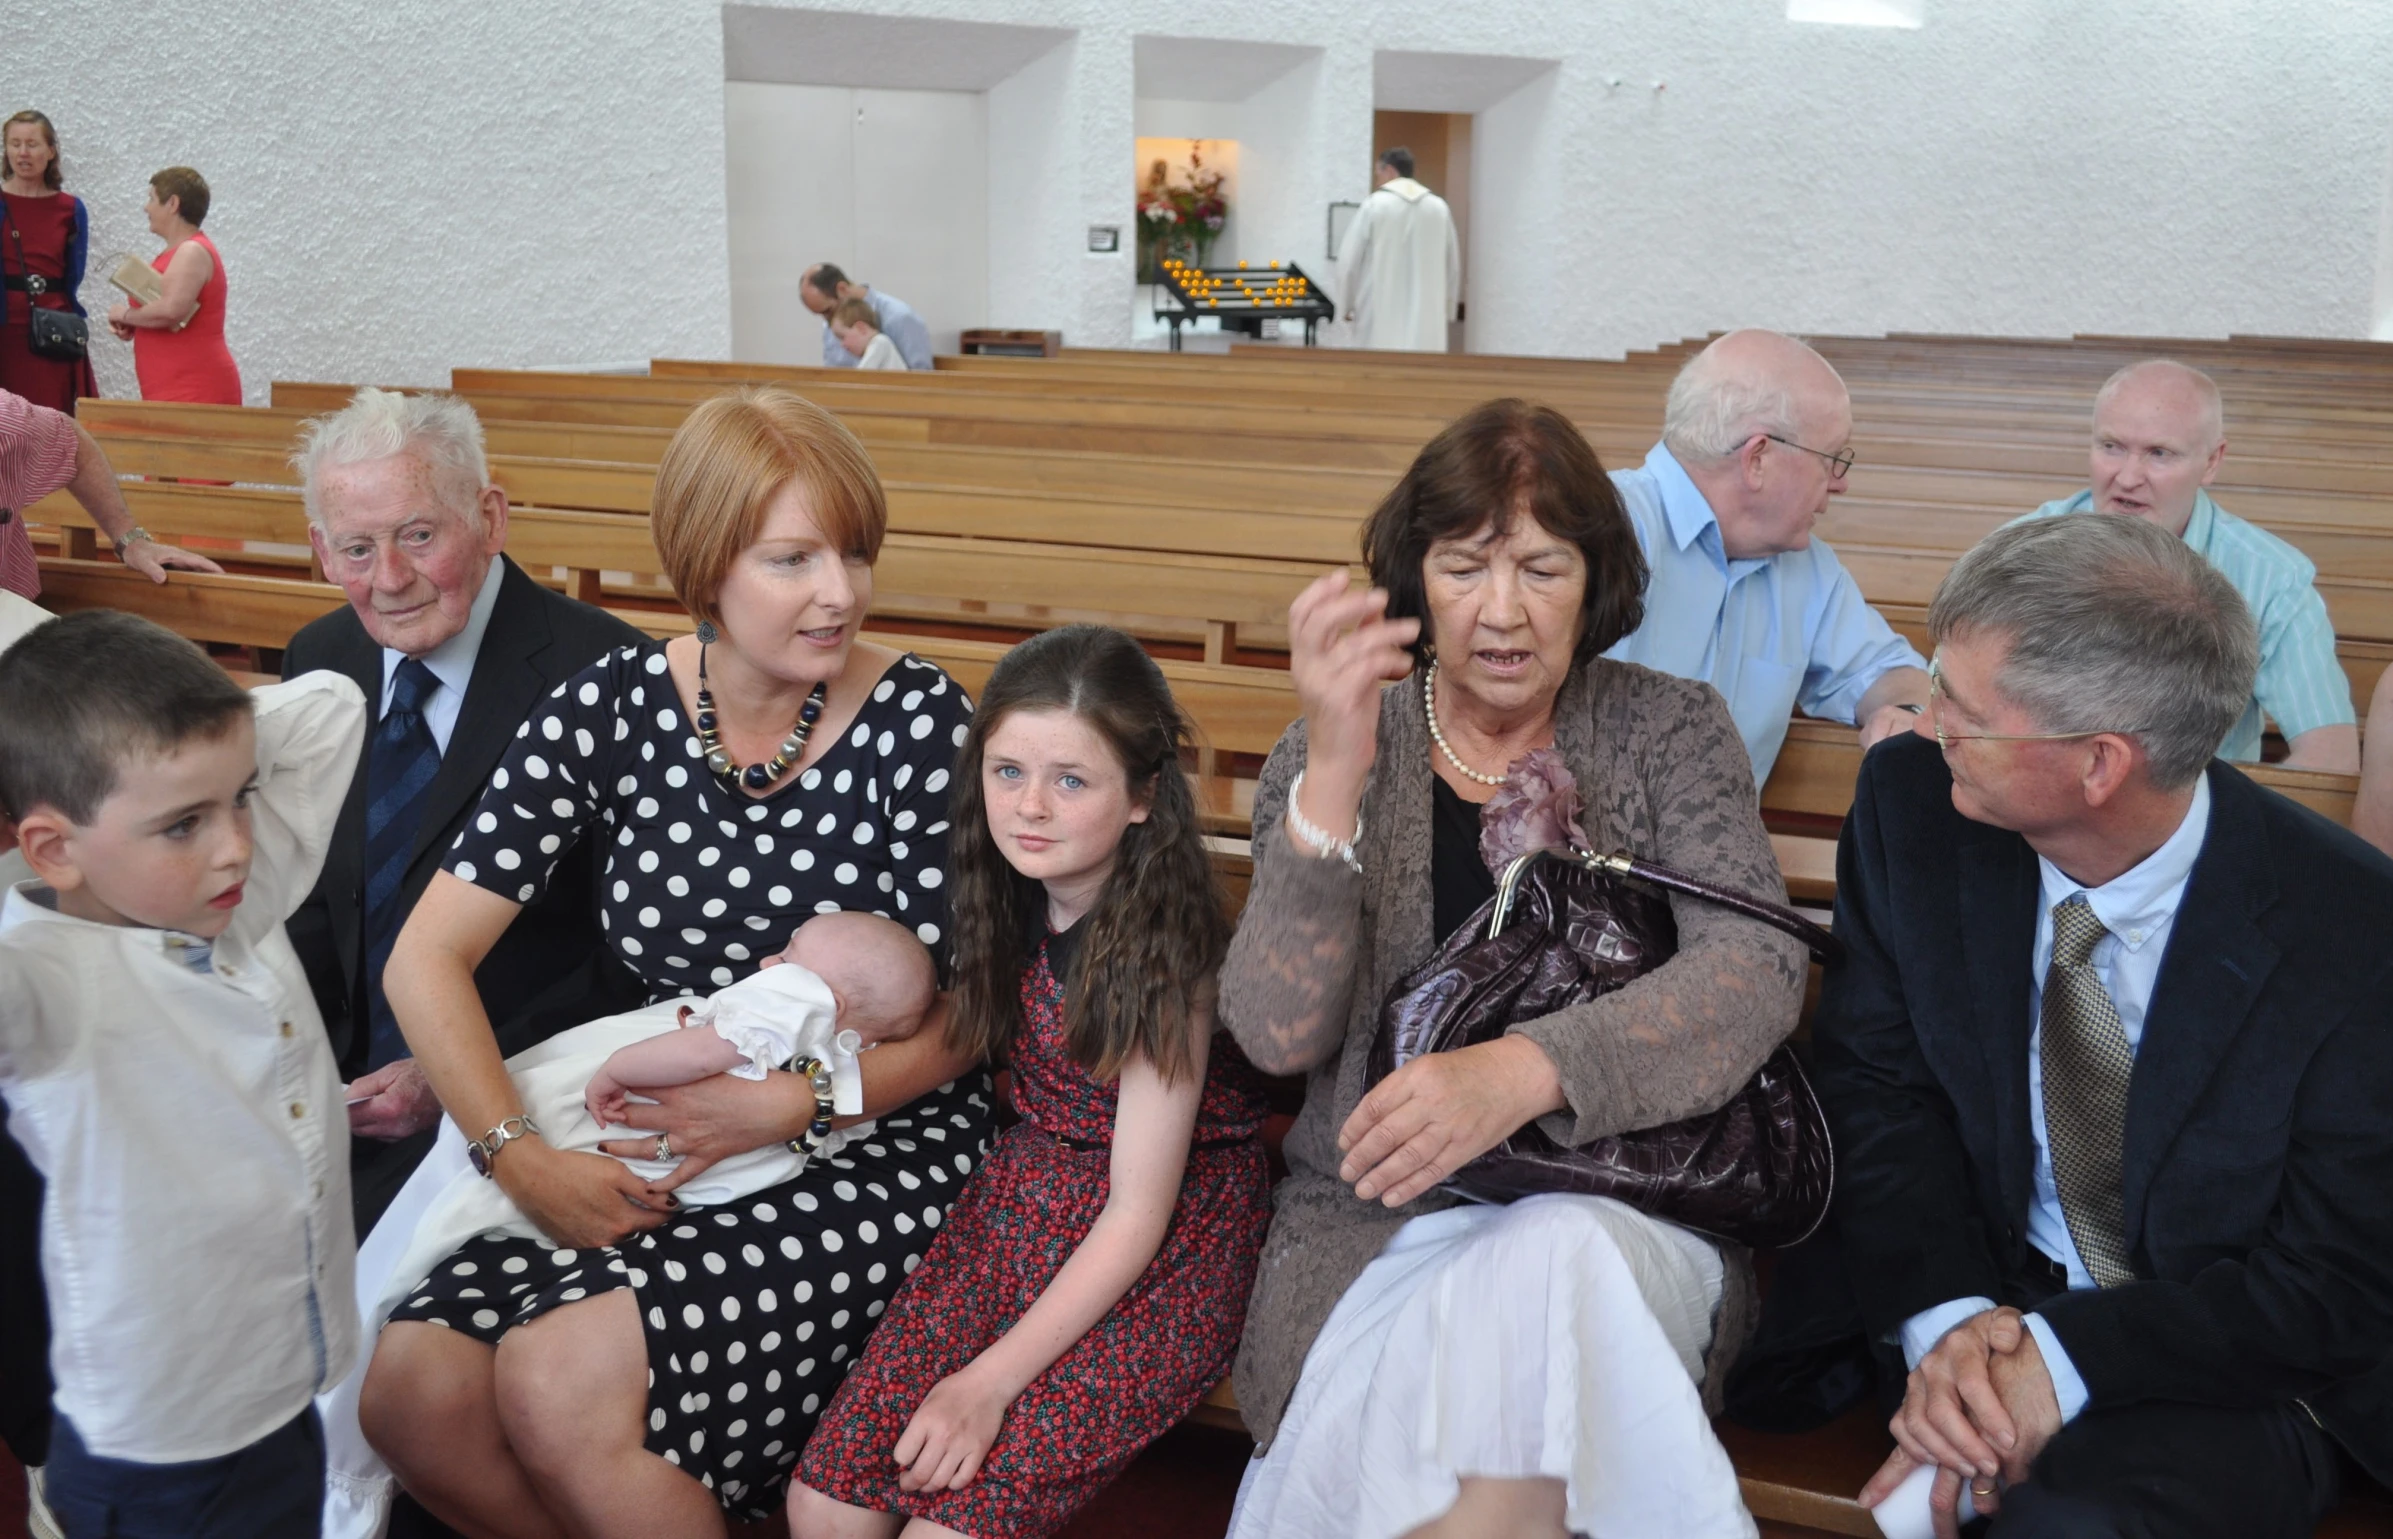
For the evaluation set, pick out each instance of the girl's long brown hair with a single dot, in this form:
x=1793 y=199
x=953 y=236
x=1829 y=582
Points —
x=1156 y=934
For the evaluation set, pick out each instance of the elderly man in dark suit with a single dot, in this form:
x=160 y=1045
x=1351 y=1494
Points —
x=453 y=643
x=2110 y=1067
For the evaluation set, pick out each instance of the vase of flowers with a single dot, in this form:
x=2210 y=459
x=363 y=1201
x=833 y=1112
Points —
x=1204 y=211
x=1179 y=217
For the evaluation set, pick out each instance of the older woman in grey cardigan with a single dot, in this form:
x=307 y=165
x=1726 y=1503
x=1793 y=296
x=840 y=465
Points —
x=1413 y=1364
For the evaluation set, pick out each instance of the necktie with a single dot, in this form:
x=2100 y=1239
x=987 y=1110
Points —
x=2086 y=1068
x=400 y=764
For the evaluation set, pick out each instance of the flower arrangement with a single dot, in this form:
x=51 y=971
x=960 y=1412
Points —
x=1180 y=218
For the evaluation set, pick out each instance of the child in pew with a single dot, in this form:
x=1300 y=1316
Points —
x=858 y=329
x=1090 y=1284
x=167 y=1072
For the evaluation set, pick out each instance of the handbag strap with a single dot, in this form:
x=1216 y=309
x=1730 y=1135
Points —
x=1824 y=946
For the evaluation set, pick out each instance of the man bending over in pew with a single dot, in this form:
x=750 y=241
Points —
x=1754 y=443
x=2109 y=1064
x=2158 y=439
x=452 y=644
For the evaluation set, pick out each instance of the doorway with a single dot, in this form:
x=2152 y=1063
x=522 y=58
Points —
x=890 y=185
x=1441 y=146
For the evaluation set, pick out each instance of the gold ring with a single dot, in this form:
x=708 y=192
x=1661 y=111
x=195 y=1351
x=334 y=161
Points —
x=1981 y=1488
x=664 y=1147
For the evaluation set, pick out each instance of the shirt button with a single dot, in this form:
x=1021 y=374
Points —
x=286 y=1028
x=2135 y=937
x=297 y=1111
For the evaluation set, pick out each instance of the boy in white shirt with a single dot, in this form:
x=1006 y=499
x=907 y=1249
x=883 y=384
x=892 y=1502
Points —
x=858 y=328
x=167 y=1072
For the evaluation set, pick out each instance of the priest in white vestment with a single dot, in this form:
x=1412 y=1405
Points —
x=1402 y=263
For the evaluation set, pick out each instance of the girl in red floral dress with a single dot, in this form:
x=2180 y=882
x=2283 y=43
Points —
x=1090 y=1283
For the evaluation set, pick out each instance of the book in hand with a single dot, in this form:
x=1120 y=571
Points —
x=138 y=279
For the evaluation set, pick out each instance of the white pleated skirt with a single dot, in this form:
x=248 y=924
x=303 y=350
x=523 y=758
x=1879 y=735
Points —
x=1560 y=1336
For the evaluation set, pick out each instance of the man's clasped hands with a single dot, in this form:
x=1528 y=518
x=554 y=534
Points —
x=1979 y=1407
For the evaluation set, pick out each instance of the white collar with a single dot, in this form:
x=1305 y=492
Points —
x=2141 y=900
x=452 y=662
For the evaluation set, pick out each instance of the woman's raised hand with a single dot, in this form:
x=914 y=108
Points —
x=1342 y=648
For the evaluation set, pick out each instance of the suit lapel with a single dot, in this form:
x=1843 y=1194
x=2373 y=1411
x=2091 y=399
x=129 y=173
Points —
x=2217 y=961
x=506 y=682
x=1999 y=891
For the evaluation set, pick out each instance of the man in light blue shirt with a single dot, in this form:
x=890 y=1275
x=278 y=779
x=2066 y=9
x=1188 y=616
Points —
x=1754 y=443
x=821 y=288
x=2158 y=440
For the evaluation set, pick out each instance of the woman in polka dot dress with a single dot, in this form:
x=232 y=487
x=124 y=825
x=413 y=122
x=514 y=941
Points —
x=655 y=1369
x=1091 y=1284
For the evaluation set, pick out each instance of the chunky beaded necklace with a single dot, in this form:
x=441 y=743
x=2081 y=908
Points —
x=754 y=776
x=1428 y=699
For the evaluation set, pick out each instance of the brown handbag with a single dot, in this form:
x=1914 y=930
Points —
x=1568 y=926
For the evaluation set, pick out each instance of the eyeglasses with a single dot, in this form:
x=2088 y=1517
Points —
x=1840 y=463
x=1945 y=740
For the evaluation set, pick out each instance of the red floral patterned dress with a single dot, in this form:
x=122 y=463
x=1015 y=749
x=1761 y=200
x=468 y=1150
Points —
x=1136 y=1373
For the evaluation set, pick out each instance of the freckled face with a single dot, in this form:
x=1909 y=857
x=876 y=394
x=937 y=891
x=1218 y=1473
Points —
x=1058 y=800
x=170 y=847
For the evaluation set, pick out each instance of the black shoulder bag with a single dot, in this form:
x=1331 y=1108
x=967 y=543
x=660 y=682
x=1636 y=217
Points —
x=56 y=334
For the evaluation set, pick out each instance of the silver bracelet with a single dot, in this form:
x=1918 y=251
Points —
x=1320 y=842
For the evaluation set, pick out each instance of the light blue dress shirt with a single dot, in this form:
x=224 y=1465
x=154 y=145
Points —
x=452 y=662
x=1771 y=633
x=899 y=324
x=2139 y=909
x=2301 y=683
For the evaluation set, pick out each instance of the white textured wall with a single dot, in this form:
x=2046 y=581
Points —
x=406 y=186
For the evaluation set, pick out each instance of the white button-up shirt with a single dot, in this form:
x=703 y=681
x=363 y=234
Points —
x=187 y=1116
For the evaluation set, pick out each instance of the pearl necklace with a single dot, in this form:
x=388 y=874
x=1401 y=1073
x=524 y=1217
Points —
x=754 y=776
x=1429 y=699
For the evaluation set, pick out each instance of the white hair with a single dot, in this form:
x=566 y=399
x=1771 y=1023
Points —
x=1719 y=401
x=439 y=430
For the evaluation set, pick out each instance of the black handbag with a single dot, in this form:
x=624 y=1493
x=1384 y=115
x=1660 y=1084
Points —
x=1565 y=927
x=61 y=335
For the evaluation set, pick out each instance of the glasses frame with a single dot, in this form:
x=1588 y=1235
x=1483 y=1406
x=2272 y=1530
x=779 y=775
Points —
x=1945 y=740
x=1839 y=463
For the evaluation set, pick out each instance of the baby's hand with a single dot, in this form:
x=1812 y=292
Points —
x=605 y=1100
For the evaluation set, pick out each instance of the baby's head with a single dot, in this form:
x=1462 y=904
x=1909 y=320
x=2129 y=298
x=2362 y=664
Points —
x=855 y=323
x=880 y=974
x=126 y=763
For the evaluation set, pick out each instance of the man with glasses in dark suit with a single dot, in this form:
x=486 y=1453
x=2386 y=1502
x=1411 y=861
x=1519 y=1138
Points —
x=2109 y=1063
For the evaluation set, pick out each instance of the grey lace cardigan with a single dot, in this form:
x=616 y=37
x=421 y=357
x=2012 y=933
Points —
x=1663 y=773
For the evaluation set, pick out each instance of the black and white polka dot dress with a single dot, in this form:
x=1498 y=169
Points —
x=754 y=1310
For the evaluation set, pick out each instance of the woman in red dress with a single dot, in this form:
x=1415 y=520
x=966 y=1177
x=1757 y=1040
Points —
x=178 y=342
x=43 y=244
x=1089 y=1285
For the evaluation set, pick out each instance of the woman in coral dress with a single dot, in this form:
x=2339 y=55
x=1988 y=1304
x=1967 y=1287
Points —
x=178 y=341
x=43 y=243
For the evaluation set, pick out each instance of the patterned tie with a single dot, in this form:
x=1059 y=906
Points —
x=2086 y=1069
x=400 y=765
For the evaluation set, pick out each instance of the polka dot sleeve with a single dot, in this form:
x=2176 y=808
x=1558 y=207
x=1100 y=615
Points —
x=551 y=786
x=919 y=738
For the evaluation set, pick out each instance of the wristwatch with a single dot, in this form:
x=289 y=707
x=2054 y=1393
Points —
x=481 y=1151
x=132 y=536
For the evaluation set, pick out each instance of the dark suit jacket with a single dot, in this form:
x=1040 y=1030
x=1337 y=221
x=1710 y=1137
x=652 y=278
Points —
x=549 y=970
x=2259 y=1158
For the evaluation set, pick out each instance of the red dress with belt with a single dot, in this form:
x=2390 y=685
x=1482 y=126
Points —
x=191 y=364
x=1136 y=1373
x=47 y=227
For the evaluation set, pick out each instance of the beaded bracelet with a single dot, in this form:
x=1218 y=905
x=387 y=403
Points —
x=818 y=1075
x=1320 y=842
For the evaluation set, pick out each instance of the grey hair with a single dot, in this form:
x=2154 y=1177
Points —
x=2115 y=625
x=440 y=430
x=2214 y=410
x=1715 y=406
